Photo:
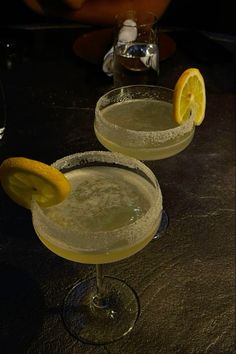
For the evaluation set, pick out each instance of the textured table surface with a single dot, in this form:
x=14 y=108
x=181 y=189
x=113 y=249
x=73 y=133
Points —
x=185 y=280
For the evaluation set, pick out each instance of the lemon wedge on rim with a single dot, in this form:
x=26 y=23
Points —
x=189 y=97
x=25 y=180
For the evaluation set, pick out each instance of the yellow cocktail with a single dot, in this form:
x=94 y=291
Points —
x=112 y=211
x=138 y=121
x=110 y=214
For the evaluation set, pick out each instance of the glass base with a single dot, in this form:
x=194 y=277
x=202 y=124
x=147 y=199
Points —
x=104 y=323
x=163 y=226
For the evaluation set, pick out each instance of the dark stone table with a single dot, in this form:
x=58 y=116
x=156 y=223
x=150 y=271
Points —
x=185 y=280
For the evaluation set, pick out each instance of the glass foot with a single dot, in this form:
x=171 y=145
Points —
x=163 y=226
x=100 y=324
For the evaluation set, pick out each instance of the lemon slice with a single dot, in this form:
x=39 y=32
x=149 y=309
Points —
x=24 y=179
x=189 y=97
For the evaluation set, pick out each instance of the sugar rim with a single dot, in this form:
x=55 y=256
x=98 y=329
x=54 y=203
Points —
x=134 y=136
x=103 y=157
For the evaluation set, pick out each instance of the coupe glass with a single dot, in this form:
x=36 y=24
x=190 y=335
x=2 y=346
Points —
x=113 y=210
x=137 y=120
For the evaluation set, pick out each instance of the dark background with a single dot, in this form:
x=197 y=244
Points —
x=186 y=279
x=215 y=16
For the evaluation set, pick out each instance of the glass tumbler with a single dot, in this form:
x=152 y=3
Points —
x=136 y=52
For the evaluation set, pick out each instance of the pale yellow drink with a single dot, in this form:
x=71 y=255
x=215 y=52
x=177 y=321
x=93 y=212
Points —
x=143 y=128
x=110 y=214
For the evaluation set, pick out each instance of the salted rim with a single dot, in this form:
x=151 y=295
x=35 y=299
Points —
x=106 y=157
x=134 y=136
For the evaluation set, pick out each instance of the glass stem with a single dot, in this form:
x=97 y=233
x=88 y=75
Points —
x=99 y=300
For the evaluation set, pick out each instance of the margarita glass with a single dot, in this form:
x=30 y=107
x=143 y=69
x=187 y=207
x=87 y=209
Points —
x=113 y=211
x=137 y=121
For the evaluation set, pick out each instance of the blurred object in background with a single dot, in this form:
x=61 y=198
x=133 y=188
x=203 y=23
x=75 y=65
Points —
x=96 y=12
x=217 y=16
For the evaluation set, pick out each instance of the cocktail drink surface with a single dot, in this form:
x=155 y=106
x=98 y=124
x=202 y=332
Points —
x=110 y=214
x=138 y=121
x=113 y=210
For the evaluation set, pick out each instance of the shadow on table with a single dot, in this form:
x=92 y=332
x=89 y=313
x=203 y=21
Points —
x=22 y=309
